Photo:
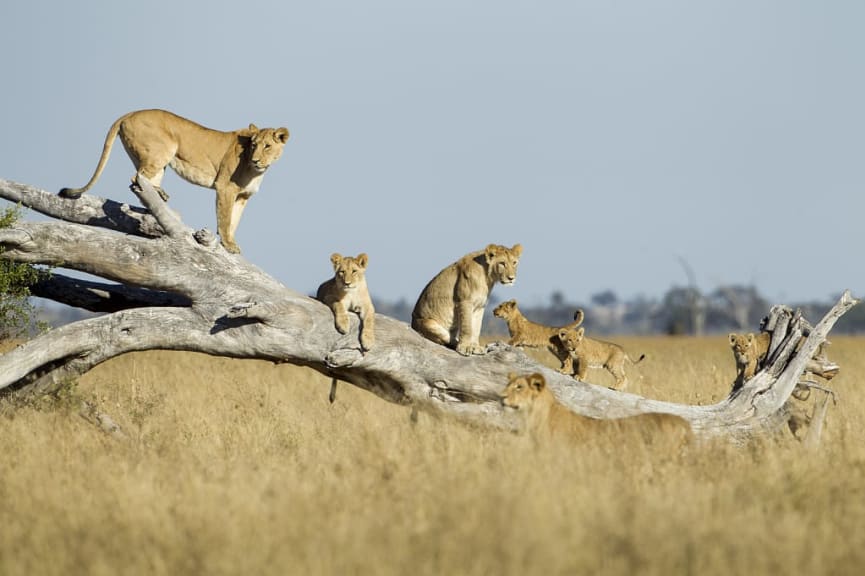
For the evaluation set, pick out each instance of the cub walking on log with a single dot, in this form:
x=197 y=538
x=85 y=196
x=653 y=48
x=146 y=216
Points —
x=232 y=163
x=524 y=332
x=450 y=308
x=544 y=417
x=587 y=352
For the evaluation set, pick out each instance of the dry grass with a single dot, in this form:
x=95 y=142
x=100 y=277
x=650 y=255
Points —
x=243 y=467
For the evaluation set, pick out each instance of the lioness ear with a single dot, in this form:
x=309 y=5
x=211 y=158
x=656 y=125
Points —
x=335 y=259
x=491 y=251
x=282 y=135
x=732 y=338
x=537 y=381
x=512 y=375
x=253 y=128
x=517 y=250
x=362 y=259
x=750 y=338
x=580 y=332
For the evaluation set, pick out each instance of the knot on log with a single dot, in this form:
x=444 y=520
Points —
x=205 y=238
x=342 y=357
x=17 y=238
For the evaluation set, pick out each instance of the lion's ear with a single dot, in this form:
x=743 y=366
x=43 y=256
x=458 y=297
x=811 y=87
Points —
x=362 y=259
x=282 y=135
x=537 y=381
x=253 y=128
x=512 y=375
x=562 y=334
x=750 y=338
x=490 y=252
x=580 y=332
x=732 y=338
x=517 y=250
x=335 y=259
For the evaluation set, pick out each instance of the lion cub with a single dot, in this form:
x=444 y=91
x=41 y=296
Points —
x=450 y=308
x=588 y=352
x=545 y=417
x=347 y=291
x=232 y=163
x=524 y=332
x=750 y=352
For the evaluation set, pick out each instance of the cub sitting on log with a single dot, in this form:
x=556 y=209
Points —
x=450 y=308
x=524 y=332
x=347 y=292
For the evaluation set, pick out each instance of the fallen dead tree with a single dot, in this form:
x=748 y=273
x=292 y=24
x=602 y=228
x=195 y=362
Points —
x=170 y=287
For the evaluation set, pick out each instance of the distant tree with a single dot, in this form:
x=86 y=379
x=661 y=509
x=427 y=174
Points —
x=605 y=298
x=735 y=307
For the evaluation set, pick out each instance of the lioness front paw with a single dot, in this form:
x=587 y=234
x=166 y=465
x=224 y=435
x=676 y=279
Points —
x=231 y=247
x=470 y=348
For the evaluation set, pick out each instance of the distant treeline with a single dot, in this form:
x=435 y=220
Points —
x=729 y=308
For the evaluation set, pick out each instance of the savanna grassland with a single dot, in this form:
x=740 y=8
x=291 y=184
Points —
x=243 y=467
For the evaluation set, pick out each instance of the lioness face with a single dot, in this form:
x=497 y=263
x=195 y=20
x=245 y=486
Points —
x=571 y=339
x=267 y=145
x=521 y=391
x=505 y=309
x=348 y=271
x=502 y=262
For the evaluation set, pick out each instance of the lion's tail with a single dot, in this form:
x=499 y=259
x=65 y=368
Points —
x=106 y=151
x=578 y=319
x=638 y=360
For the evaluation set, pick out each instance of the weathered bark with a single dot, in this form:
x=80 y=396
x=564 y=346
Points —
x=180 y=290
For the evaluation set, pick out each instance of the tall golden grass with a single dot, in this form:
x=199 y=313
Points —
x=243 y=467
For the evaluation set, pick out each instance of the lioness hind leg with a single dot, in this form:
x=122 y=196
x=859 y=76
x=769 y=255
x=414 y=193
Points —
x=432 y=330
x=154 y=176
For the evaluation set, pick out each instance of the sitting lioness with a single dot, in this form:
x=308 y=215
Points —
x=232 y=163
x=524 y=332
x=451 y=306
x=544 y=417
x=347 y=292
x=750 y=352
x=587 y=352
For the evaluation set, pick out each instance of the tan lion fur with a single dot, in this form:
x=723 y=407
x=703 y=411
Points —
x=544 y=417
x=450 y=308
x=750 y=352
x=232 y=163
x=587 y=352
x=524 y=332
x=347 y=292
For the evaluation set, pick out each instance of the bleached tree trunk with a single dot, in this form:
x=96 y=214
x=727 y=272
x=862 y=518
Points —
x=169 y=287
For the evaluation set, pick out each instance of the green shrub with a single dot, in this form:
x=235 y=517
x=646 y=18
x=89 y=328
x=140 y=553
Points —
x=17 y=312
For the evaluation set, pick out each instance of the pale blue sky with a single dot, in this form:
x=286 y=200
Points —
x=622 y=134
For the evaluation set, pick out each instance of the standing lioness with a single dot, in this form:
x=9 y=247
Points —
x=451 y=306
x=232 y=163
